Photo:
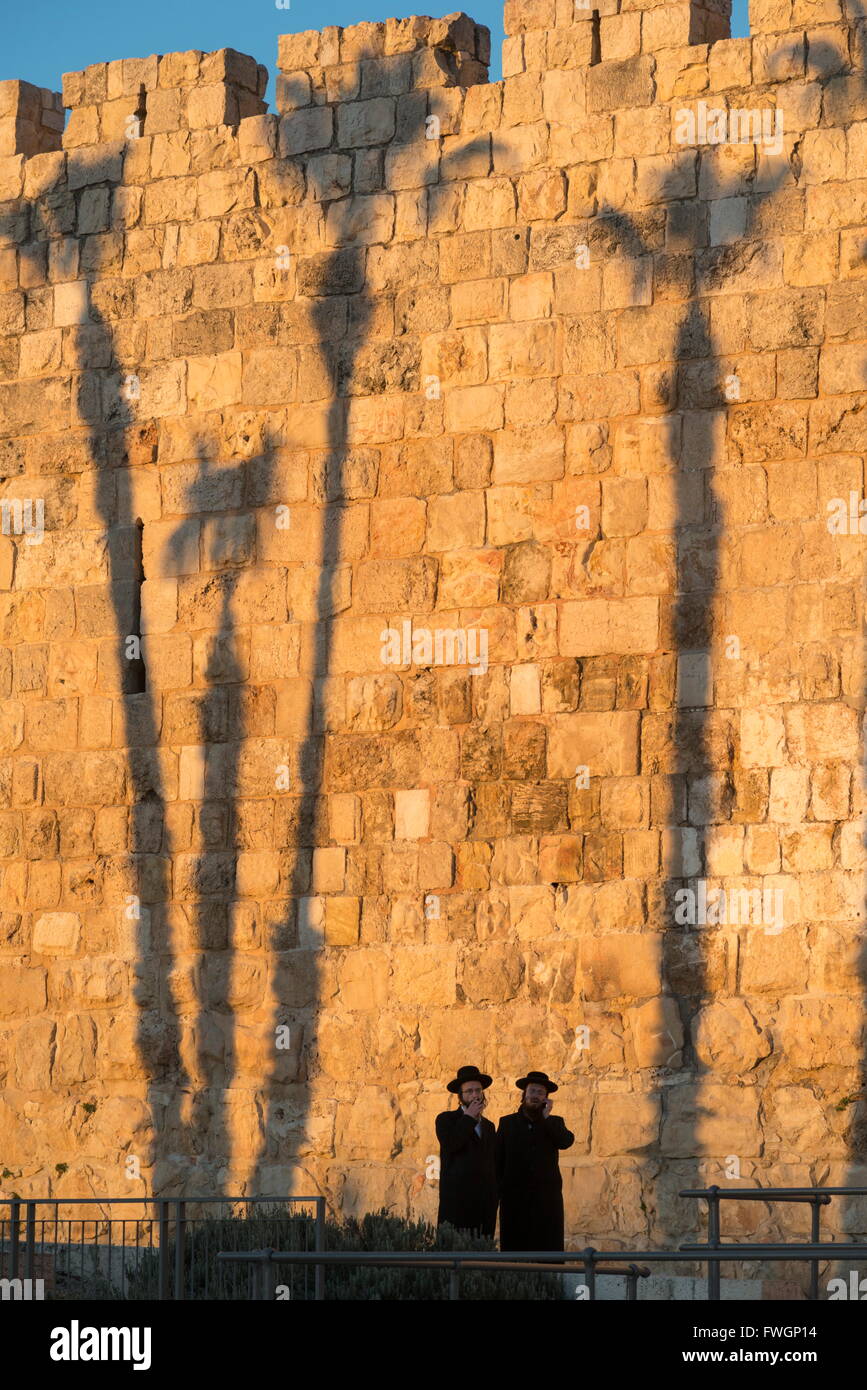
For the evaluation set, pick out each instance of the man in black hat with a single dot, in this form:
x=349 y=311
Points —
x=468 y=1178
x=528 y=1169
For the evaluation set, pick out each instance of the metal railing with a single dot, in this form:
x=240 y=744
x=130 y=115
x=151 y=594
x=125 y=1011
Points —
x=712 y=1253
x=454 y=1262
x=590 y=1261
x=815 y=1197
x=200 y=1248
x=161 y=1248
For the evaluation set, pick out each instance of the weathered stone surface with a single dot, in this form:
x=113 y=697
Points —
x=728 y=1039
x=625 y=1123
x=431 y=541
x=623 y=964
x=56 y=934
x=657 y=1033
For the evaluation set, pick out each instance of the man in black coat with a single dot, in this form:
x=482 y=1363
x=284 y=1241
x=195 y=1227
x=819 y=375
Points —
x=468 y=1178
x=528 y=1169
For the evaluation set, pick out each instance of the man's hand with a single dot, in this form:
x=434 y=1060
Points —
x=475 y=1107
x=549 y=1106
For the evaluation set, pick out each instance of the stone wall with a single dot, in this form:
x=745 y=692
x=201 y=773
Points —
x=420 y=572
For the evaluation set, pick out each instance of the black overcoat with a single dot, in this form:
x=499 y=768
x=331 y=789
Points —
x=468 y=1175
x=529 y=1181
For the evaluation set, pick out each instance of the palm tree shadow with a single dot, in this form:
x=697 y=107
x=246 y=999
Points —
x=286 y=1116
x=680 y=748
x=841 y=74
x=211 y=781
x=158 y=1026
x=115 y=441
x=700 y=758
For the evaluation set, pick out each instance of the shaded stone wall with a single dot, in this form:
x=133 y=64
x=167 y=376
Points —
x=421 y=571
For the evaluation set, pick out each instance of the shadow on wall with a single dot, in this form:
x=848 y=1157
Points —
x=697 y=747
x=362 y=354
x=183 y=874
x=186 y=1031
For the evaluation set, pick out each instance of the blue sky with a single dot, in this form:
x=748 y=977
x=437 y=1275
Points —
x=59 y=36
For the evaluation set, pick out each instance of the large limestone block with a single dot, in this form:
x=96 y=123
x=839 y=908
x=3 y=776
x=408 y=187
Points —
x=366 y=1125
x=605 y=743
x=799 y=1121
x=821 y=732
x=594 y=627
x=712 y=1119
x=625 y=1123
x=728 y=1039
x=613 y=85
x=424 y=975
x=363 y=978
x=56 y=933
x=657 y=1033
x=626 y=965
x=342 y=917
x=762 y=738
x=818 y=1032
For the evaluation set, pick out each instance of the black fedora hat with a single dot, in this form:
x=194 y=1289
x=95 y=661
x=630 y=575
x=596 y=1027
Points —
x=468 y=1074
x=540 y=1078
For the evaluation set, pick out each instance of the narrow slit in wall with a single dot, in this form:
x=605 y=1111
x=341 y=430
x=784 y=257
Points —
x=135 y=673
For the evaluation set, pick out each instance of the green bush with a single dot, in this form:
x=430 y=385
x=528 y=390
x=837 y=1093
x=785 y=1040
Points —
x=379 y=1231
x=261 y=1229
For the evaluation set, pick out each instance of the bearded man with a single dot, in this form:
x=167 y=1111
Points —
x=468 y=1179
x=527 y=1152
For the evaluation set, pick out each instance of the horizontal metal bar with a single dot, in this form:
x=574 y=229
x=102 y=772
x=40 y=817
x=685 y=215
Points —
x=446 y=1262
x=597 y=1269
x=201 y=1201
x=752 y=1196
x=145 y=1201
x=780 y=1194
x=744 y=1254
x=823 y=1247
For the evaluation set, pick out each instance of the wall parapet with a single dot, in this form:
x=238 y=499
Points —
x=384 y=59
x=161 y=94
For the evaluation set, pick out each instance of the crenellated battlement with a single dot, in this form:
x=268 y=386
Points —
x=390 y=59
x=31 y=119
x=560 y=58
x=159 y=95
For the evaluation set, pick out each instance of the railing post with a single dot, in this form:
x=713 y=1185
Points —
x=180 y=1235
x=455 y=1281
x=14 y=1218
x=814 y=1239
x=632 y=1284
x=163 y=1228
x=713 y=1233
x=319 y=1244
x=29 y=1240
x=589 y=1256
x=264 y=1271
